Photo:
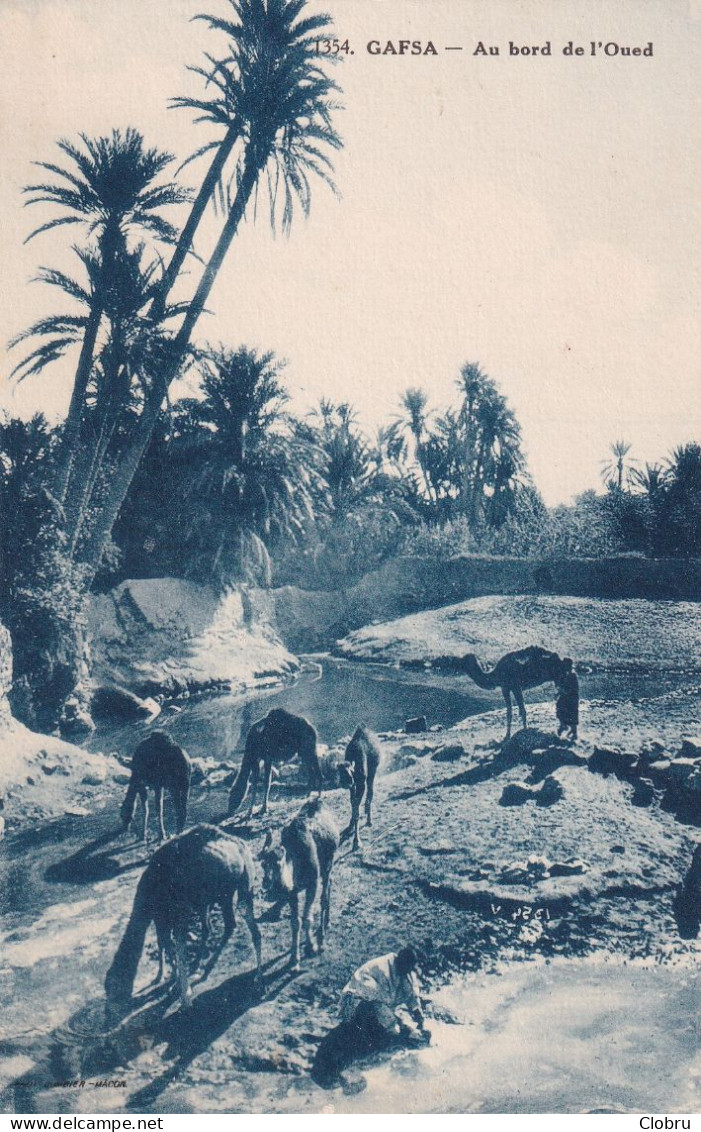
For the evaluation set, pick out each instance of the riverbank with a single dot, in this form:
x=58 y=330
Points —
x=631 y=635
x=482 y=888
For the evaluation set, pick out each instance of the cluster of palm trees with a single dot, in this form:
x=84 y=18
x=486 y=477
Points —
x=657 y=506
x=235 y=486
x=269 y=101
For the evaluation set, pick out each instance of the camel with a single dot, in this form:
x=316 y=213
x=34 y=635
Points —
x=277 y=738
x=516 y=671
x=160 y=764
x=304 y=857
x=359 y=770
x=186 y=876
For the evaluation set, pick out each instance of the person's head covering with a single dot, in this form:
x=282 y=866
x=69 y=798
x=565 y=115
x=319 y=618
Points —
x=406 y=961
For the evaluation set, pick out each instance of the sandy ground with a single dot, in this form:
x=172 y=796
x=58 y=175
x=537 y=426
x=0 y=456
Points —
x=603 y=634
x=568 y=991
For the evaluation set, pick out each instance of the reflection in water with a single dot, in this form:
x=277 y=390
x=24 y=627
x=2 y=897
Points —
x=348 y=694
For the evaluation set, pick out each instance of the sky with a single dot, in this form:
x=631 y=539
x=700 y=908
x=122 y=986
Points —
x=538 y=215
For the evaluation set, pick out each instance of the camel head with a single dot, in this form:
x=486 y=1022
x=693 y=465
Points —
x=277 y=870
x=346 y=776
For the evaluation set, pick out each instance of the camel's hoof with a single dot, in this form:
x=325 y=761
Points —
x=295 y=968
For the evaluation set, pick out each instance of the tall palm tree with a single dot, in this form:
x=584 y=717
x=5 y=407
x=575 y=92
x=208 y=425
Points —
x=274 y=96
x=616 y=469
x=108 y=188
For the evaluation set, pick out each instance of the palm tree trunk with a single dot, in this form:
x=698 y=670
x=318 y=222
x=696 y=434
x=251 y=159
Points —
x=74 y=417
x=91 y=552
x=121 y=482
x=197 y=211
x=248 y=181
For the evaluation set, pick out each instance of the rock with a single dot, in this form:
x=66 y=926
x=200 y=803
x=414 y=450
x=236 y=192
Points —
x=438 y=848
x=220 y=778
x=198 y=770
x=95 y=776
x=49 y=768
x=606 y=762
x=118 y=704
x=449 y=754
x=573 y=867
x=643 y=793
x=516 y=793
x=659 y=769
x=618 y=849
x=538 y=867
x=651 y=751
x=552 y=758
x=122 y=777
x=525 y=742
x=687 y=902
x=76 y=721
x=681 y=769
x=415 y=726
x=550 y=792
x=690 y=749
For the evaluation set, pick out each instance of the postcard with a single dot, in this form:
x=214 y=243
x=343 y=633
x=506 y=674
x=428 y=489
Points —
x=350 y=558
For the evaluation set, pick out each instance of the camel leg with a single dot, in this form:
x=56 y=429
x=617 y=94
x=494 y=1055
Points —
x=267 y=781
x=518 y=696
x=144 y=812
x=164 y=948
x=295 y=925
x=308 y=916
x=181 y=969
x=253 y=787
x=246 y=906
x=159 y=805
x=507 y=697
x=325 y=912
x=368 y=801
x=227 y=909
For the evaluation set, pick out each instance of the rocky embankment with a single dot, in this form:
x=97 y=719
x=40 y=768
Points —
x=166 y=636
x=40 y=775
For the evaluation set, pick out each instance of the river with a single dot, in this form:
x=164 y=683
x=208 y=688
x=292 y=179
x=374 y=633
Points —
x=339 y=695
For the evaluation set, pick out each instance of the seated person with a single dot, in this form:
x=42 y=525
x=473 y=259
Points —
x=382 y=999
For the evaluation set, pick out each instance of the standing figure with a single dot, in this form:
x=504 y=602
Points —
x=567 y=703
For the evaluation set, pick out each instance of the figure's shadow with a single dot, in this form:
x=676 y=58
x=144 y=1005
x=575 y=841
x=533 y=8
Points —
x=92 y=863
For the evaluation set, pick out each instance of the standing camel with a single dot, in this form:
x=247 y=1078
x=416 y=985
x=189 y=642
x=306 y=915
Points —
x=275 y=739
x=159 y=764
x=187 y=875
x=516 y=671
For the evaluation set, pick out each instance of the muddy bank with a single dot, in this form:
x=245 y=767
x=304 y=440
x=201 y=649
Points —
x=480 y=887
x=40 y=775
x=613 y=635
